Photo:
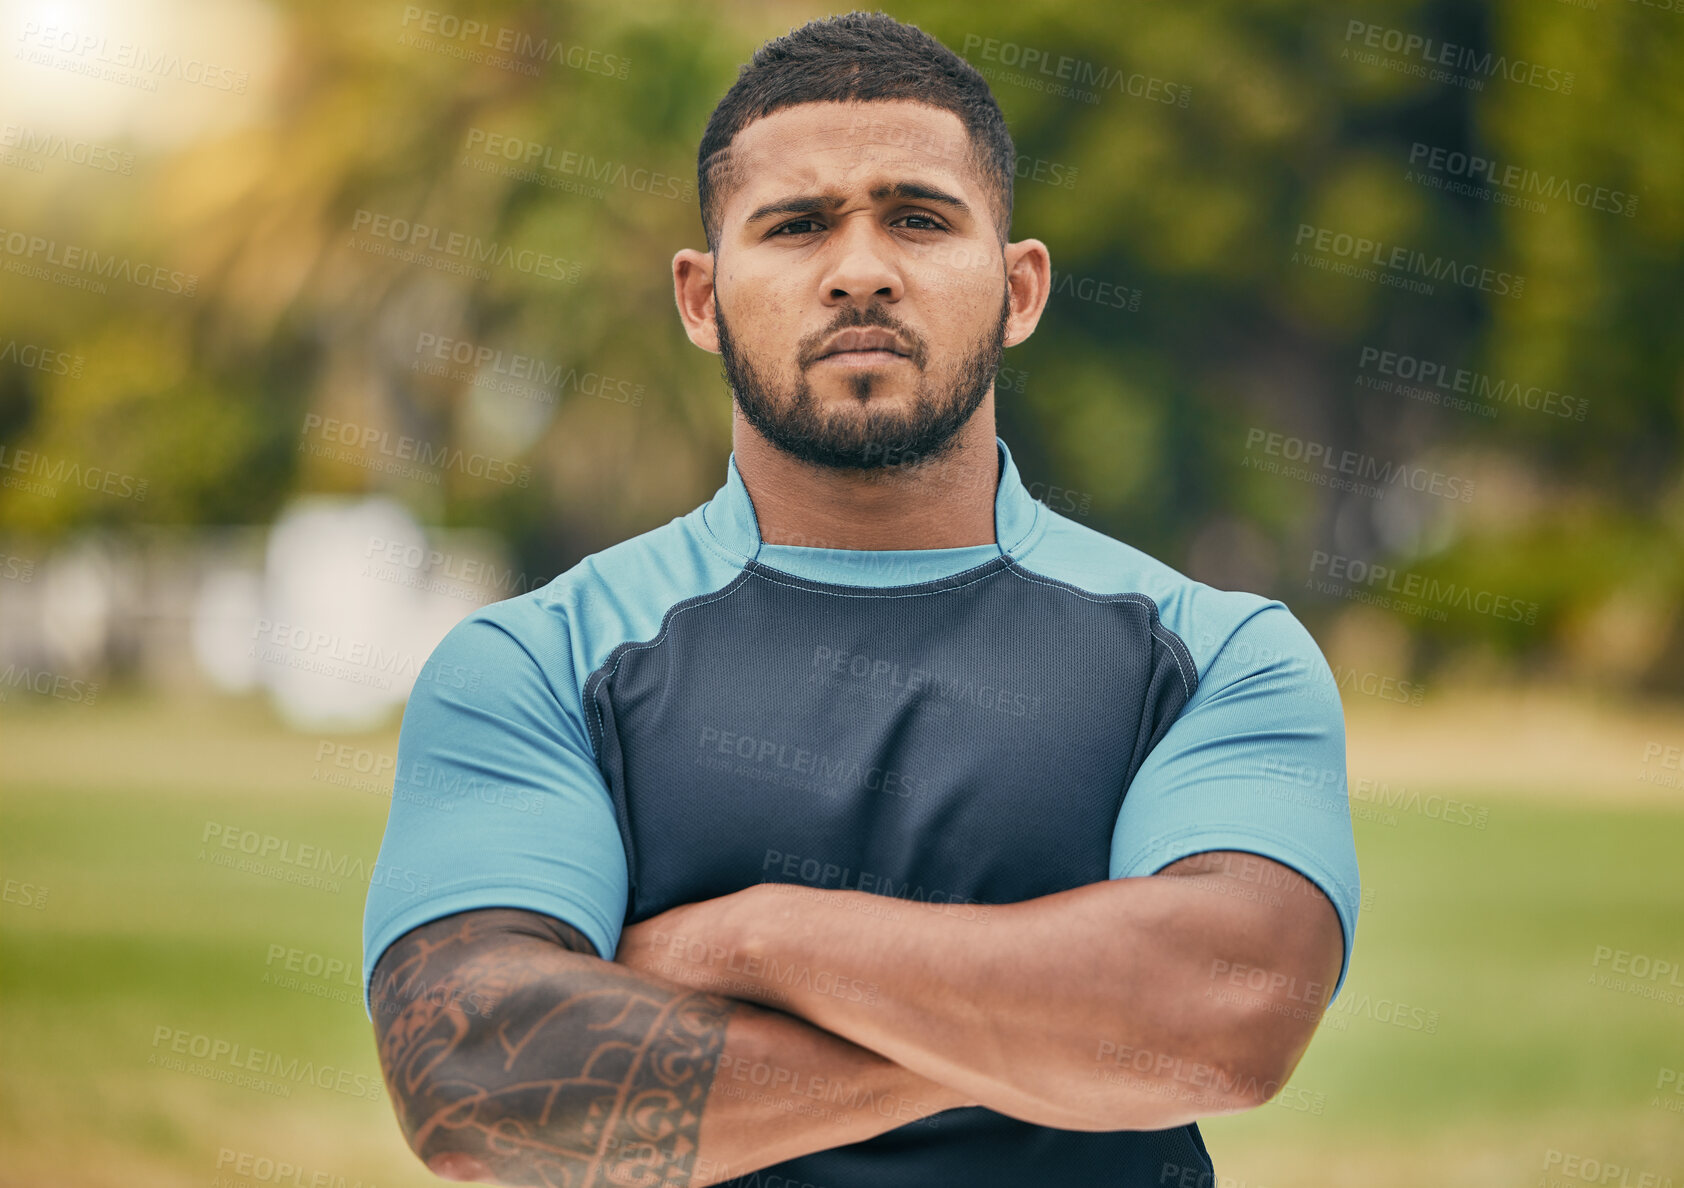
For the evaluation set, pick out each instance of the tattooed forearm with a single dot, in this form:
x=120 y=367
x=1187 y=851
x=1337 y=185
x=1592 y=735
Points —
x=512 y=1055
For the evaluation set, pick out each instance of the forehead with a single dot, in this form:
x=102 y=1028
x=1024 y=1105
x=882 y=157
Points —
x=849 y=146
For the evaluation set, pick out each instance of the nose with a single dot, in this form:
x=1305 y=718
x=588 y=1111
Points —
x=862 y=265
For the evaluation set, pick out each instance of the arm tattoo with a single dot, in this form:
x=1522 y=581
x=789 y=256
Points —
x=549 y=1070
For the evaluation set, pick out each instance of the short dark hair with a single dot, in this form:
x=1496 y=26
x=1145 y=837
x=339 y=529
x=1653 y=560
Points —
x=855 y=57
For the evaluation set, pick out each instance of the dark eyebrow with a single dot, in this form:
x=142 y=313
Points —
x=917 y=192
x=808 y=203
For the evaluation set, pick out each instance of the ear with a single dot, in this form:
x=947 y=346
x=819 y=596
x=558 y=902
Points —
x=692 y=288
x=1029 y=281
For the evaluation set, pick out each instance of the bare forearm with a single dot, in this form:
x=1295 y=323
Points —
x=1089 y=1009
x=513 y=1060
x=784 y=1088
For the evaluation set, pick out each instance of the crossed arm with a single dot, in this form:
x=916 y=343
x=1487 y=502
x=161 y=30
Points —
x=742 y=1031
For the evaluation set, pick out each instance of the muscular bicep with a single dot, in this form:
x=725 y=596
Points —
x=1281 y=943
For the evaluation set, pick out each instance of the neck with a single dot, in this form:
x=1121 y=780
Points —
x=941 y=503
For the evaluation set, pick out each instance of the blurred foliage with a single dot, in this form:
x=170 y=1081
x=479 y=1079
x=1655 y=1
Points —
x=1145 y=412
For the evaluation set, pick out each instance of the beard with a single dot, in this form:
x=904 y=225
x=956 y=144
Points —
x=791 y=420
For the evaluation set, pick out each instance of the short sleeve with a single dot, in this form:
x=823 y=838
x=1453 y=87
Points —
x=1254 y=762
x=497 y=800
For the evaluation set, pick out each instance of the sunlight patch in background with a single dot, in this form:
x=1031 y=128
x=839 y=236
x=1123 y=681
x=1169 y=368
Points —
x=140 y=70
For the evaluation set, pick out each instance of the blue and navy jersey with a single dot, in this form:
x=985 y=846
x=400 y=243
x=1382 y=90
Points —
x=693 y=710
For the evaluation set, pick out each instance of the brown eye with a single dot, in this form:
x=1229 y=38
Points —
x=935 y=224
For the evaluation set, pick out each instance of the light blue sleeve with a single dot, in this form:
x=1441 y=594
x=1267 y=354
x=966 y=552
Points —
x=1255 y=762
x=498 y=801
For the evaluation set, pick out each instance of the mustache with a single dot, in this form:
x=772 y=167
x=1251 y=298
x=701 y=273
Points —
x=852 y=317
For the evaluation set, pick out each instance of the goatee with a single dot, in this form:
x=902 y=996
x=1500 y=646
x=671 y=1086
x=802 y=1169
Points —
x=883 y=437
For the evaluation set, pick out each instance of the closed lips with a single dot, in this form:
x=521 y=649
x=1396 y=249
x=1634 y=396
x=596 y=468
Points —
x=862 y=340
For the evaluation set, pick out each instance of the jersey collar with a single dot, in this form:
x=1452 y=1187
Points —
x=729 y=516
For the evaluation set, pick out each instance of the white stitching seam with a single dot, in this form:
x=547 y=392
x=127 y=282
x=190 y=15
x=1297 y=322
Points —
x=1168 y=637
x=731 y=588
x=764 y=572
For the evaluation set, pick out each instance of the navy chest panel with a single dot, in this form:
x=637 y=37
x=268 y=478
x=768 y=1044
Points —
x=963 y=740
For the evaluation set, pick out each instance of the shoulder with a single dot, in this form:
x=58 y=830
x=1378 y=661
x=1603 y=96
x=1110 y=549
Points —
x=1225 y=628
x=618 y=594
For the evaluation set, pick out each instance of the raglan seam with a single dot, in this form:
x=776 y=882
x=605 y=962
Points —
x=605 y=672
x=1183 y=658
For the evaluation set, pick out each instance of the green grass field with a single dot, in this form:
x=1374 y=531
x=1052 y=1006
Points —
x=1472 y=1044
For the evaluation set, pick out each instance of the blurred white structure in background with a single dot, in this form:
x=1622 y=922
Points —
x=230 y=600
x=335 y=645
x=76 y=596
x=331 y=612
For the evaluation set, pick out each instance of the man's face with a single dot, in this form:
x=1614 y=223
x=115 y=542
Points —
x=859 y=287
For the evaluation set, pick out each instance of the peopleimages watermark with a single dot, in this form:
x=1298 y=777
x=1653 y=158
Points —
x=1096 y=290
x=1375 y=800
x=885 y=678
x=319 y=975
x=1179 y=1175
x=1169 y=1074
x=345 y=658
x=452 y=251
x=246 y=1169
x=43 y=683
x=567 y=169
x=1669 y=1079
x=1473 y=176
x=1447 y=62
x=1436 y=382
x=819 y=875
x=791 y=1090
x=793 y=765
x=1059 y=74
x=1672 y=6
x=436 y=571
x=1048 y=173
x=430 y=785
x=1347 y=470
x=25 y=895
x=29 y=149
x=938 y=147
x=1563 y=1169
x=497 y=370
x=78 y=267
x=43 y=359
x=1379 y=1009
x=1639 y=974
x=245 y=1067
x=14 y=568
x=1395 y=266
x=28 y=470
x=394 y=453
x=776 y=978
x=301 y=863
x=502 y=46
x=1413 y=593
x=80 y=51
x=1663 y=765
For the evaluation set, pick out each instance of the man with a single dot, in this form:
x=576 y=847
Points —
x=871 y=825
